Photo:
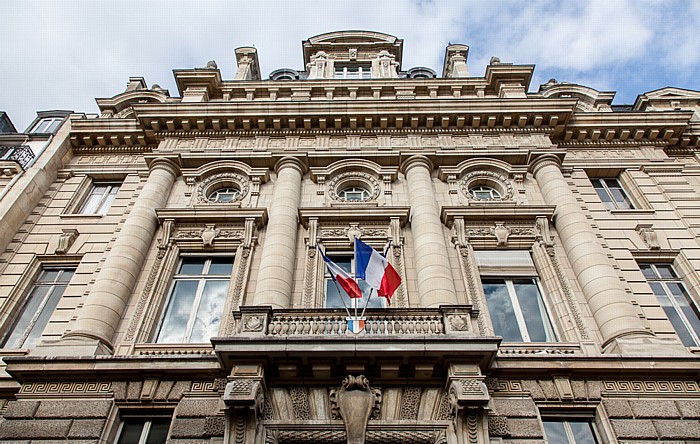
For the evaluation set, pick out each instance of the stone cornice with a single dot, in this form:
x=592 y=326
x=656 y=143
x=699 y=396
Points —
x=214 y=213
x=353 y=212
x=490 y=212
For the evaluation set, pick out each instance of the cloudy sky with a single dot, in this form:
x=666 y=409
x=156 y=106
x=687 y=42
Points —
x=62 y=54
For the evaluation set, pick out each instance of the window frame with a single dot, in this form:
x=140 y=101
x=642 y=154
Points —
x=106 y=199
x=233 y=191
x=363 y=71
x=49 y=125
x=148 y=423
x=508 y=273
x=357 y=189
x=612 y=204
x=686 y=323
x=50 y=298
x=354 y=302
x=201 y=279
x=567 y=420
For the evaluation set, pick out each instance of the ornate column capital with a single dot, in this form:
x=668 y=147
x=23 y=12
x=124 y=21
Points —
x=290 y=161
x=170 y=163
x=417 y=160
x=544 y=160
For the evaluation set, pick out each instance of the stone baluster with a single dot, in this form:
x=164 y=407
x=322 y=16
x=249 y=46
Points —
x=104 y=307
x=616 y=317
x=275 y=278
x=433 y=274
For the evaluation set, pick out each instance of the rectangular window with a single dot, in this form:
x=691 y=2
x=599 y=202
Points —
x=100 y=198
x=197 y=299
x=612 y=194
x=38 y=308
x=336 y=296
x=675 y=300
x=47 y=125
x=353 y=72
x=140 y=430
x=569 y=431
x=516 y=307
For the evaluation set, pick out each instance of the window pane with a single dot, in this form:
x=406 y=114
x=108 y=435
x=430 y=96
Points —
x=665 y=271
x=503 y=318
x=621 y=199
x=555 y=433
x=583 y=432
x=65 y=276
x=538 y=326
x=107 y=200
x=221 y=265
x=159 y=431
x=208 y=316
x=91 y=204
x=131 y=431
x=687 y=307
x=34 y=301
x=333 y=297
x=648 y=271
x=192 y=266
x=43 y=319
x=178 y=313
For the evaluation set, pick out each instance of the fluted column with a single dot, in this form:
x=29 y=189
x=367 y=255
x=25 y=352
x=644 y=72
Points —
x=276 y=272
x=433 y=274
x=114 y=285
x=612 y=310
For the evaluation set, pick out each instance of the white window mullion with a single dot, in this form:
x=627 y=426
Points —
x=145 y=432
x=522 y=326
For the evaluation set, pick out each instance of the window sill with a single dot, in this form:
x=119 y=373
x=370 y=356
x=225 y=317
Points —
x=78 y=216
x=635 y=212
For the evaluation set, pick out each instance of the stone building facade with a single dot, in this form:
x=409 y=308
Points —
x=162 y=280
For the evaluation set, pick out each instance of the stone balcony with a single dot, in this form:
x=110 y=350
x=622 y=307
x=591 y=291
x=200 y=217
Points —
x=298 y=344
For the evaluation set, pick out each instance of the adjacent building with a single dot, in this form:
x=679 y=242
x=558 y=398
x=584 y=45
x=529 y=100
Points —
x=161 y=278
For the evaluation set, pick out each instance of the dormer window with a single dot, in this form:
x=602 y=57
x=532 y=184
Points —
x=354 y=71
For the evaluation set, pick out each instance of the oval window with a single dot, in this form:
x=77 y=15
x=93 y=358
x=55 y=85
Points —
x=223 y=195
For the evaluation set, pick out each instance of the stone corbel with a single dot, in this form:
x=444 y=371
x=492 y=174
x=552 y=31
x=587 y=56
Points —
x=66 y=239
x=321 y=185
x=458 y=229
x=165 y=239
x=355 y=403
x=648 y=235
x=542 y=233
x=245 y=397
x=248 y=232
x=466 y=387
x=452 y=183
x=395 y=232
x=312 y=242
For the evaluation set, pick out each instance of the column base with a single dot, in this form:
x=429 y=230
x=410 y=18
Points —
x=644 y=346
x=72 y=347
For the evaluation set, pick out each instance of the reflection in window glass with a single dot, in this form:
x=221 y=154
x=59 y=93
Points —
x=680 y=309
x=196 y=300
x=336 y=296
x=144 y=431
x=517 y=310
x=569 y=431
x=40 y=305
x=100 y=199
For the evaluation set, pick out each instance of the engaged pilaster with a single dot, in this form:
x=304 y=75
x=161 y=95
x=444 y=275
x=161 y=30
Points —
x=612 y=310
x=433 y=274
x=276 y=273
x=104 y=306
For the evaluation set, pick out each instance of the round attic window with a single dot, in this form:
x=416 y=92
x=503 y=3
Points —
x=223 y=195
x=354 y=194
x=484 y=192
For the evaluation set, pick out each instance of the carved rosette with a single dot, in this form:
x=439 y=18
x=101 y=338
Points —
x=355 y=403
x=344 y=180
x=222 y=180
x=488 y=178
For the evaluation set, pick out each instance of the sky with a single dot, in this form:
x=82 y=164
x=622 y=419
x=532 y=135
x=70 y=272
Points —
x=61 y=54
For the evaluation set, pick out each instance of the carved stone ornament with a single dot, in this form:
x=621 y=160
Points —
x=343 y=180
x=209 y=234
x=355 y=402
x=501 y=232
x=468 y=392
x=66 y=239
x=488 y=178
x=222 y=180
x=245 y=393
x=648 y=235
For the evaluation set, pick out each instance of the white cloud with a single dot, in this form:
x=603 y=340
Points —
x=63 y=54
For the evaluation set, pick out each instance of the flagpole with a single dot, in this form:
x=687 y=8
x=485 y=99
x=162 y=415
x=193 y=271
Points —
x=367 y=302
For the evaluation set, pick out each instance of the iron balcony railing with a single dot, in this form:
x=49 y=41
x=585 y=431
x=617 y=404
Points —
x=23 y=154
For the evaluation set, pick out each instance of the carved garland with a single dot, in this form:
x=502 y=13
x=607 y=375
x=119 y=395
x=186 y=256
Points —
x=220 y=180
x=489 y=178
x=345 y=179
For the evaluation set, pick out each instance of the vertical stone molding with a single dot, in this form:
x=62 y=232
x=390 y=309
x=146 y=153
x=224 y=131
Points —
x=110 y=294
x=275 y=276
x=433 y=275
x=612 y=310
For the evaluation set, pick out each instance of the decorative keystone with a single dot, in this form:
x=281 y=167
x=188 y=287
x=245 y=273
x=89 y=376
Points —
x=355 y=402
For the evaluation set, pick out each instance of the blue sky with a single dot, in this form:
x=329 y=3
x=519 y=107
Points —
x=63 y=54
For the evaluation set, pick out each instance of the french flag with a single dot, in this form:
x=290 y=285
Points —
x=341 y=277
x=375 y=270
